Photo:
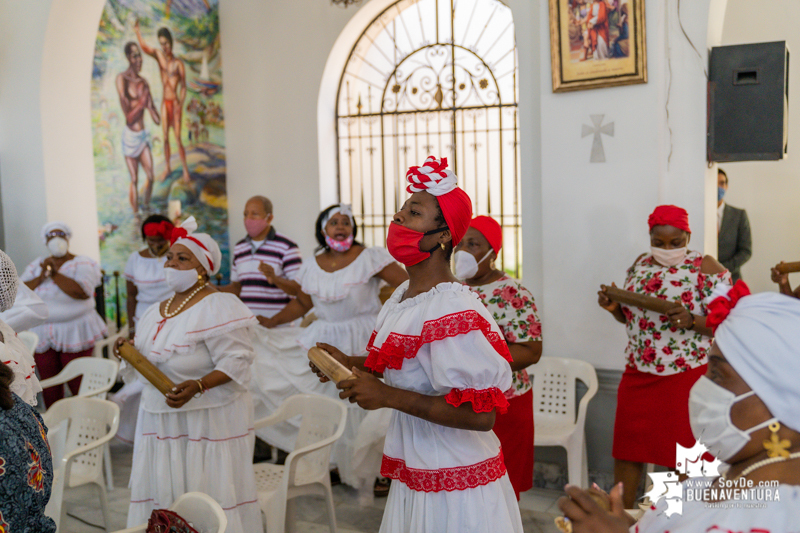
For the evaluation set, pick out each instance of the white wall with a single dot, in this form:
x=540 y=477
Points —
x=22 y=30
x=768 y=190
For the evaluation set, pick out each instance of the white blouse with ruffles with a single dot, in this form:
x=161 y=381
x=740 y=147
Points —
x=441 y=343
x=213 y=334
x=345 y=301
x=15 y=354
x=73 y=325
x=147 y=273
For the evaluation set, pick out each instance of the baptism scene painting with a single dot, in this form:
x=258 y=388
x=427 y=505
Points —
x=597 y=43
x=158 y=122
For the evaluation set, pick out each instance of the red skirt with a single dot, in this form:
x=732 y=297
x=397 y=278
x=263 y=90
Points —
x=653 y=415
x=514 y=428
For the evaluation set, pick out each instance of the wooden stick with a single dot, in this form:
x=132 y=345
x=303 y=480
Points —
x=329 y=366
x=651 y=303
x=788 y=268
x=147 y=369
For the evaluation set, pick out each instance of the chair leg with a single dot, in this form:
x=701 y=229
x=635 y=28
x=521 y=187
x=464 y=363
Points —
x=104 y=504
x=276 y=515
x=331 y=508
x=576 y=462
x=291 y=516
x=107 y=466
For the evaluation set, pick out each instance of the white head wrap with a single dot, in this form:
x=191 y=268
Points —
x=433 y=176
x=9 y=282
x=760 y=338
x=202 y=246
x=341 y=209
x=56 y=225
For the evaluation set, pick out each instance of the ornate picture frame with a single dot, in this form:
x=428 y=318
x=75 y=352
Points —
x=597 y=43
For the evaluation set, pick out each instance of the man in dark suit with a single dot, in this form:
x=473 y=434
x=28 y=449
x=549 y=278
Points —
x=735 y=245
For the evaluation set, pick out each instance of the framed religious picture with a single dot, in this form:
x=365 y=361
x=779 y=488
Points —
x=597 y=43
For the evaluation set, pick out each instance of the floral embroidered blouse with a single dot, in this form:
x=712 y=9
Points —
x=512 y=307
x=26 y=470
x=654 y=345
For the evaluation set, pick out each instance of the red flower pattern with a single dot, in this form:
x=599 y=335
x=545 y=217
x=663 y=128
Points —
x=654 y=345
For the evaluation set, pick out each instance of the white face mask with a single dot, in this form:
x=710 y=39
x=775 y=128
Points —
x=181 y=280
x=669 y=258
x=58 y=246
x=465 y=264
x=710 y=418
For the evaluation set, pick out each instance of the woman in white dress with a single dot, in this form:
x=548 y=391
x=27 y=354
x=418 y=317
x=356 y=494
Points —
x=445 y=363
x=201 y=438
x=66 y=283
x=746 y=411
x=146 y=284
x=342 y=286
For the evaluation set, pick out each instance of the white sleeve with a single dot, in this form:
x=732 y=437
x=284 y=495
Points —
x=28 y=311
x=468 y=368
x=232 y=354
x=88 y=275
x=234 y=272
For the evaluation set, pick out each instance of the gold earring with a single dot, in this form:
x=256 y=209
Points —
x=443 y=246
x=775 y=446
x=199 y=277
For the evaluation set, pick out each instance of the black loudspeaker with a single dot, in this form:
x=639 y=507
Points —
x=748 y=102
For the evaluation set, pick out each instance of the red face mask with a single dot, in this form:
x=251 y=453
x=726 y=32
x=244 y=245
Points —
x=403 y=244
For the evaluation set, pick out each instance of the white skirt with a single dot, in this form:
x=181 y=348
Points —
x=278 y=374
x=491 y=507
x=204 y=450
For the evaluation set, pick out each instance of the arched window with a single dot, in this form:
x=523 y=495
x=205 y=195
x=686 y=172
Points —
x=432 y=77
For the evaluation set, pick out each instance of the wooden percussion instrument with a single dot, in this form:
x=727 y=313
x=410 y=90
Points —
x=147 y=369
x=333 y=369
x=788 y=268
x=642 y=301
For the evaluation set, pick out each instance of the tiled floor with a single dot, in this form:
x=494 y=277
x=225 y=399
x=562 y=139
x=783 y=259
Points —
x=538 y=506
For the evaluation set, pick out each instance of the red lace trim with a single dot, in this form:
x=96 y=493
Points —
x=398 y=347
x=483 y=401
x=447 y=479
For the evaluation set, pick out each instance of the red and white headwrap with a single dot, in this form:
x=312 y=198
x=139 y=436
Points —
x=204 y=248
x=435 y=178
x=759 y=335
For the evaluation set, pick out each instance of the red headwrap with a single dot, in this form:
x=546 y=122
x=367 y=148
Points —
x=159 y=229
x=457 y=210
x=669 y=215
x=490 y=229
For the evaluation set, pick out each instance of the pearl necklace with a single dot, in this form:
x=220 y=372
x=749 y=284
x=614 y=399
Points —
x=764 y=462
x=167 y=314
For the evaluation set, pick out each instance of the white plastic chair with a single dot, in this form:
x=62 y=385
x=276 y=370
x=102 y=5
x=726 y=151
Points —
x=306 y=469
x=29 y=339
x=92 y=423
x=197 y=508
x=555 y=420
x=108 y=342
x=98 y=377
x=57 y=439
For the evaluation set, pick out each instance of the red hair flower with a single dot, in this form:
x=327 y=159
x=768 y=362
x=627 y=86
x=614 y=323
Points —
x=720 y=308
x=177 y=233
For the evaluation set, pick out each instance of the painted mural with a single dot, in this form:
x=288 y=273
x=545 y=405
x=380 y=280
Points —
x=158 y=122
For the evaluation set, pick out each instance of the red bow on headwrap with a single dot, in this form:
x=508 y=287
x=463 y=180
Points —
x=669 y=215
x=720 y=308
x=159 y=229
x=177 y=233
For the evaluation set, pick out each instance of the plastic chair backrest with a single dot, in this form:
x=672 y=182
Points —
x=108 y=343
x=29 y=339
x=97 y=374
x=554 y=388
x=321 y=418
x=89 y=419
x=202 y=511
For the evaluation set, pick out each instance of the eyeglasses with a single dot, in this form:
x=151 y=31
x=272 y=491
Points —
x=56 y=233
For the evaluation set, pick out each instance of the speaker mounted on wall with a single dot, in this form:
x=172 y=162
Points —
x=748 y=102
